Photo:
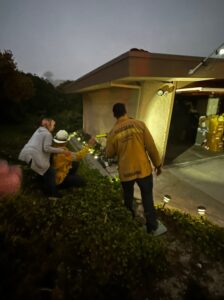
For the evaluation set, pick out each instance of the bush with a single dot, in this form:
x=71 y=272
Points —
x=197 y=232
x=85 y=246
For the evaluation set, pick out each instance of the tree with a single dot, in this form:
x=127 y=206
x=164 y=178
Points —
x=7 y=64
x=15 y=88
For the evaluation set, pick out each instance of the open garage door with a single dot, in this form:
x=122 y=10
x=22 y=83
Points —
x=197 y=127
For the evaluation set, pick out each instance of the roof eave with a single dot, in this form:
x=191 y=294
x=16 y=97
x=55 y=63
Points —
x=150 y=66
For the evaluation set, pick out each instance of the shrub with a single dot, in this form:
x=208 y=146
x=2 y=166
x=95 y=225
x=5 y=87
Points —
x=87 y=239
x=199 y=233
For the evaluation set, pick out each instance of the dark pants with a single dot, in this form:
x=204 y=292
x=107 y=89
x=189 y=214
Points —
x=49 y=182
x=72 y=179
x=146 y=187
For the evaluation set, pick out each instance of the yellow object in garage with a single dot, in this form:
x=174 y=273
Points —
x=215 y=133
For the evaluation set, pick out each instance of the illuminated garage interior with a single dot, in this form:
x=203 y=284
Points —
x=159 y=89
x=195 y=108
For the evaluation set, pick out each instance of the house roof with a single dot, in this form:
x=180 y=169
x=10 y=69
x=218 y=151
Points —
x=138 y=65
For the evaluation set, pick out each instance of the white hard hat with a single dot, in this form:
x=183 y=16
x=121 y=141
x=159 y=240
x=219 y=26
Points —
x=61 y=137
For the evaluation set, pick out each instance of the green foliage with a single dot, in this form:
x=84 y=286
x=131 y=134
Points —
x=7 y=64
x=87 y=239
x=48 y=101
x=19 y=87
x=26 y=97
x=15 y=88
x=14 y=136
x=69 y=114
x=86 y=245
x=204 y=237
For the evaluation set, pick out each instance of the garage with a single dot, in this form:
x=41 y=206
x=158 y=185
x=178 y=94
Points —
x=197 y=122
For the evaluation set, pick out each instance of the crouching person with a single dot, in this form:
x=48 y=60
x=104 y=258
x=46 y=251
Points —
x=36 y=153
x=66 y=166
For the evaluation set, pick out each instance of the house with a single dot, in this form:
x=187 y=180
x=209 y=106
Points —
x=149 y=84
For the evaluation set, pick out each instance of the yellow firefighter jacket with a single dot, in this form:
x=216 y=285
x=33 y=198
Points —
x=62 y=163
x=132 y=143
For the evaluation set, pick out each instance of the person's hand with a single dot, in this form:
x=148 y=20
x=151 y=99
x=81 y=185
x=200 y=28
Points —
x=67 y=153
x=91 y=142
x=158 y=170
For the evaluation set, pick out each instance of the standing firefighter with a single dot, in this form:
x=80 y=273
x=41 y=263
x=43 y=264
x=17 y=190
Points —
x=132 y=143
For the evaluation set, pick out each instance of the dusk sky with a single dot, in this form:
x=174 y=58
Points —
x=72 y=37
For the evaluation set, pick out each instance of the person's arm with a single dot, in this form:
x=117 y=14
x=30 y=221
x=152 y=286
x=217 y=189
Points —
x=77 y=156
x=110 y=150
x=47 y=146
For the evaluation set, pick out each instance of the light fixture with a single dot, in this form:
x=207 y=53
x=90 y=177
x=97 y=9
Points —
x=217 y=51
x=221 y=51
x=200 y=89
x=201 y=210
x=165 y=90
x=166 y=199
x=160 y=92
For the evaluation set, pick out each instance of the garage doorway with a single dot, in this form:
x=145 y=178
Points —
x=183 y=134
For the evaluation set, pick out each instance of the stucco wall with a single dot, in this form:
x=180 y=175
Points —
x=97 y=108
x=145 y=105
x=156 y=112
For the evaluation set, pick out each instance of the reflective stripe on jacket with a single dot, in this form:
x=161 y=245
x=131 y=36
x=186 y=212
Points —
x=132 y=143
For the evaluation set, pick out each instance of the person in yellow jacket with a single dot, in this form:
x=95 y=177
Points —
x=66 y=165
x=133 y=145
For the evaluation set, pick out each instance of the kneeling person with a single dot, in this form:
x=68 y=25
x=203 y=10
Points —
x=66 y=165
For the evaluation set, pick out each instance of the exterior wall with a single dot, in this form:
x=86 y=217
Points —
x=156 y=112
x=143 y=104
x=97 y=108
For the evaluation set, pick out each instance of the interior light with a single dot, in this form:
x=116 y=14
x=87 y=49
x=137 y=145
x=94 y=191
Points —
x=201 y=89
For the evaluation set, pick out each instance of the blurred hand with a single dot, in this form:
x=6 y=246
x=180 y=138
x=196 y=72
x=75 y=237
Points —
x=67 y=153
x=158 y=171
x=91 y=142
x=10 y=179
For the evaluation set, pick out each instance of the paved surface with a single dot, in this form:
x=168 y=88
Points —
x=194 y=178
x=192 y=183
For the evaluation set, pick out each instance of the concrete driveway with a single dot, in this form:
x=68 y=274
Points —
x=195 y=183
